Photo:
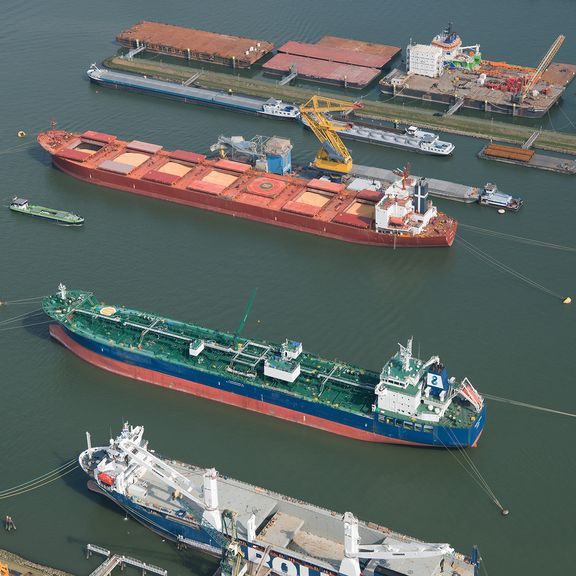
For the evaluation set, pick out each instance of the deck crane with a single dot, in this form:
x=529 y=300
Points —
x=354 y=551
x=221 y=526
x=533 y=79
x=333 y=154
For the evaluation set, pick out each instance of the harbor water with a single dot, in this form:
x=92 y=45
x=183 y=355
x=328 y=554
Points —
x=511 y=339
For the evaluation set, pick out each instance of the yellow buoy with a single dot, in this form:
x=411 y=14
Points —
x=567 y=300
x=21 y=134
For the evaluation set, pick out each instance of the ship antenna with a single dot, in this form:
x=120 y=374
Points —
x=406 y=354
x=246 y=312
x=62 y=290
x=53 y=123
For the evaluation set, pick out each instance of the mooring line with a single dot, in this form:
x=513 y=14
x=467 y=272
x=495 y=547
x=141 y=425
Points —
x=514 y=238
x=525 y=405
x=13 y=319
x=473 y=471
x=38 y=480
x=25 y=326
x=504 y=268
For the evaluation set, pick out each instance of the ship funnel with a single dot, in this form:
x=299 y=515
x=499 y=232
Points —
x=420 y=199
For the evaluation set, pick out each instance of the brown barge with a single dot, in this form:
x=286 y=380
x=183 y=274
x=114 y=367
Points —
x=384 y=50
x=192 y=44
x=333 y=54
x=528 y=158
x=322 y=70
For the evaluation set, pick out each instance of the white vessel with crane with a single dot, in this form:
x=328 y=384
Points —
x=251 y=526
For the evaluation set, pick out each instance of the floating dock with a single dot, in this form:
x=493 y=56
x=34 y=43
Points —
x=528 y=158
x=191 y=44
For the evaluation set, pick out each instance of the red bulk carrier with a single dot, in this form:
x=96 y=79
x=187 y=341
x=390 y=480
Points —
x=400 y=216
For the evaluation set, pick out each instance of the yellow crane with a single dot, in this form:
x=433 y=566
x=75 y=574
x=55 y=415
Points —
x=333 y=154
x=533 y=78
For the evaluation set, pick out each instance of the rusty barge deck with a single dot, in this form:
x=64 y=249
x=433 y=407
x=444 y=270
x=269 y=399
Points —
x=191 y=44
x=460 y=84
x=527 y=158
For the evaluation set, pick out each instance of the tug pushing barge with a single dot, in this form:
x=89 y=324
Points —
x=243 y=523
x=401 y=216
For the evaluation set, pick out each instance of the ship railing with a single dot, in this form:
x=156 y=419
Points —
x=95 y=315
x=338 y=379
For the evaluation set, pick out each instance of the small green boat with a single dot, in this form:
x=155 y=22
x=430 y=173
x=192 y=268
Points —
x=66 y=218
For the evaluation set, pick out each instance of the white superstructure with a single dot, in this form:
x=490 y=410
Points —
x=405 y=208
x=425 y=60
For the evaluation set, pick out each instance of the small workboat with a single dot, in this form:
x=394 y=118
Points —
x=491 y=196
x=65 y=218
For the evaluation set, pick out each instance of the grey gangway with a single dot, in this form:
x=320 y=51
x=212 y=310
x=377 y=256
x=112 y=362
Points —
x=192 y=78
x=135 y=51
x=293 y=73
x=531 y=140
x=112 y=561
x=455 y=107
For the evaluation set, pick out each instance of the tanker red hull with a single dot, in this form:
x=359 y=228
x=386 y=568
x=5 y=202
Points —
x=247 y=196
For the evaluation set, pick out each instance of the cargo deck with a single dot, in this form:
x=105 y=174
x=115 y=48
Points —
x=322 y=71
x=192 y=44
x=462 y=85
x=511 y=155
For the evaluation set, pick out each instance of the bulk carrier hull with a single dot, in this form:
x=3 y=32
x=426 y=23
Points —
x=133 y=364
x=239 y=202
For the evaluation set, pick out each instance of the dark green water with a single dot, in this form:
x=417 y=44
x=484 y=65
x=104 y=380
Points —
x=344 y=301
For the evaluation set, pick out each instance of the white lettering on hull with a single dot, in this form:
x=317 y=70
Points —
x=280 y=565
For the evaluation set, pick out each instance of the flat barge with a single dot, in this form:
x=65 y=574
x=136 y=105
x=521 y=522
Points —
x=527 y=158
x=400 y=216
x=312 y=69
x=463 y=85
x=243 y=523
x=409 y=401
x=271 y=107
x=195 y=45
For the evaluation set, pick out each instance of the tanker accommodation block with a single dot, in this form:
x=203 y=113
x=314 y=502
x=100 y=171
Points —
x=194 y=44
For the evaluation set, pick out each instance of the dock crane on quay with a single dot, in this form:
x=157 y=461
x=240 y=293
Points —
x=333 y=156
